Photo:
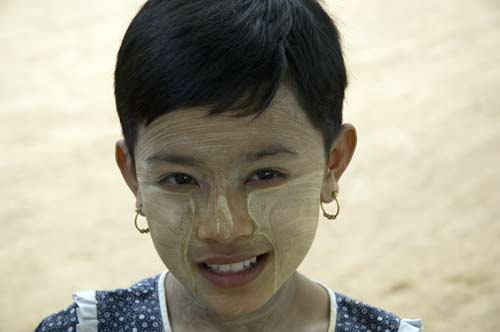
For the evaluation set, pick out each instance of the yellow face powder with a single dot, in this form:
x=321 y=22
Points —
x=224 y=206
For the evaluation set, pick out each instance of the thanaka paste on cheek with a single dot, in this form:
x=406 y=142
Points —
x=170 y=218
x=287 y=216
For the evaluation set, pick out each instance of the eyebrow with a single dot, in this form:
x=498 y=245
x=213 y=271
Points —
x=270 y=150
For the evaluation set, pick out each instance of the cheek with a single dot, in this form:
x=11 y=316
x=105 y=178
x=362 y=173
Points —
x=288 y=217
x=170 y=222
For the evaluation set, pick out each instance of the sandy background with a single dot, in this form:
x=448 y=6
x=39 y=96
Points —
x=418 y=232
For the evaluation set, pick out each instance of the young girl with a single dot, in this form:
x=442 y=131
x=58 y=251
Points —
x=231 y=112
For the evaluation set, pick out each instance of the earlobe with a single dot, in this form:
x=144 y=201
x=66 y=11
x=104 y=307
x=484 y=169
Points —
x=124 y=162
x=329 y=185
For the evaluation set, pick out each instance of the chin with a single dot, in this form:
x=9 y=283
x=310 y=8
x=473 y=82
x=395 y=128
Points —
x=237 y=307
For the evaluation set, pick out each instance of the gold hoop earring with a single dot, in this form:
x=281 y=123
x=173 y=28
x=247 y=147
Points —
x=142 y=230
x=331 y=216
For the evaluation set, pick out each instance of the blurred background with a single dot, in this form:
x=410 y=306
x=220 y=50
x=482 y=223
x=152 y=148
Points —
x=418 y=233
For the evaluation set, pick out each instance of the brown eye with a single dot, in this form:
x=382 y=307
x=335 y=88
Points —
x=267 y=175
x=177 y=179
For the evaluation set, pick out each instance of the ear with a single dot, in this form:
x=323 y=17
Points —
x=124 y=162
x=340 y=155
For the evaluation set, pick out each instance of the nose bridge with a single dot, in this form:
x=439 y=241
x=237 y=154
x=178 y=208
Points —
x=225 y=219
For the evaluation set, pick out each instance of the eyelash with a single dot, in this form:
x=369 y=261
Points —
x=279 y=174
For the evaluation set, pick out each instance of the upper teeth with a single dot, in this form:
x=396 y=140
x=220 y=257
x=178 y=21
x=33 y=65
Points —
x=234 y=267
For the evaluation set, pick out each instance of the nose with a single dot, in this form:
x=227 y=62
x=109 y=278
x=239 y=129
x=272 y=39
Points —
x=225 y=222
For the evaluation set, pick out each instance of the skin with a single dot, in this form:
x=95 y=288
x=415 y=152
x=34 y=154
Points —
x=229 y=205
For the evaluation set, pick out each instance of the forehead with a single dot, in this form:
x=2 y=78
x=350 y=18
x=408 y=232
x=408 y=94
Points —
x=282 y=123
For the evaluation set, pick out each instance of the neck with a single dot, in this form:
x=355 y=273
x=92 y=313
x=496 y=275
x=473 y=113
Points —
x=270 y=317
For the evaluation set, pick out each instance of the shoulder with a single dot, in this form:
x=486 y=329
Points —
x=111 y=309
x=355 y=315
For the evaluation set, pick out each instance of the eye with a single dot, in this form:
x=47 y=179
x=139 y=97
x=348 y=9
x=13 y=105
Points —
x=182 y=179
x=268 y=174
x=177 y=179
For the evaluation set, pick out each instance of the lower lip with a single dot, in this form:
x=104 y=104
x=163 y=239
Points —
x=237 y=278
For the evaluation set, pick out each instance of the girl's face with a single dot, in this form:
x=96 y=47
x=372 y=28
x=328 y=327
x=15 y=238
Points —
x=223 y=185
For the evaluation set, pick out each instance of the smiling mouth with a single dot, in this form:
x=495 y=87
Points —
x=234 y=274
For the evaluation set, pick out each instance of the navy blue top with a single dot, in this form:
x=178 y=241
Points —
x=143 y=308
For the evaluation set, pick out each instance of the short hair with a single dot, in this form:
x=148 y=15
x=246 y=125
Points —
x=230 y=55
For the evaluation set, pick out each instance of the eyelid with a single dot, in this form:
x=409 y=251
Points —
x=279 y=176
x=164 y=178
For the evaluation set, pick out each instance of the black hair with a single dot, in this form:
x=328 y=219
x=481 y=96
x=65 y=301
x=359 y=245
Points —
x=230 y=55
